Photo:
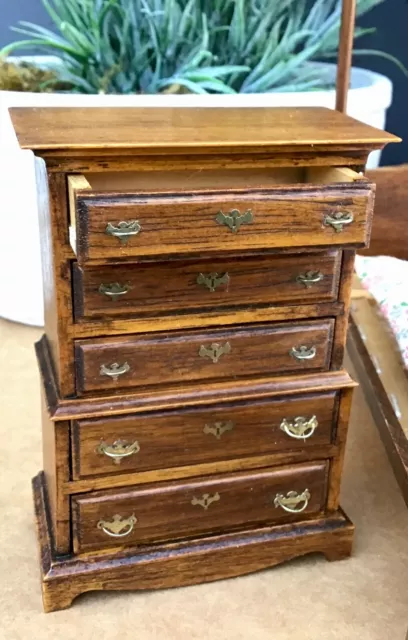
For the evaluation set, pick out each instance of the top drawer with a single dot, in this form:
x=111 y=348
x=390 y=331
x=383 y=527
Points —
x=154 y=214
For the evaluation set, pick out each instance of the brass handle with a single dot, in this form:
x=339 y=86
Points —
x=118 y=527
x=303 y=353
x=301 y=428
x=338 y=220
x=234 y=219
x=309 y=278
x=218 y=428
x=118 y=450
x=291 y=501
x=213 y=280
x=114 y=290
x=214 y=351
x=124 y=230
x=206 y=500
x=114 y=370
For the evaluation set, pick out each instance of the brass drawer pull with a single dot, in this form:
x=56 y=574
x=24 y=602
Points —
x=114 y=370
x=212 y=281
x=234 y=219
x=301 y=428
x=118 y=527
x=338 y=220
x=206 y=500
x=124 y=230
x=303 y=353
x=114 y=290
x=218 y=428
x=309 y=278
x=118 y=450
x=291 y=501
x=214 y=351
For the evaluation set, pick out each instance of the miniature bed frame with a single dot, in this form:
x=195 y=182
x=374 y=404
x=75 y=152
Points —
x=370 y=344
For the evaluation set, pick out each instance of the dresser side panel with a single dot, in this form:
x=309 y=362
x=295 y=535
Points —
x=56 y=465
x=340 y=331
x=52 y=197
x=336 y=465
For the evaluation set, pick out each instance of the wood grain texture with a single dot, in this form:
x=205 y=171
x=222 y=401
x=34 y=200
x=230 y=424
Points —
x=353 y=156
x=337 y=462
x=187 y=223
x=51 y=238
x=188 y=437
x=197 y=285
x=389 y=231
x=207 y=469
x=186 y=395
x=56 y=276
x=159 y=359
x=340 y=331
x=164 y=129
x=178 y=510
x=251 y=314
x=348 y=18
x=173 y=171
x=185 y=563
x=56 y=462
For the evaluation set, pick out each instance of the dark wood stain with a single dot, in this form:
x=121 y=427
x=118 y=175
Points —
x=281 y=217
x=176 y=438
x=177 y=356
x=180 y=564
x=172 y=400
x=164 y=287
x=167 y=512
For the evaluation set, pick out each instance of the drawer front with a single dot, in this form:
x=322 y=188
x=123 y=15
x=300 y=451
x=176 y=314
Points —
x=125 y=226
x=199 y=285
x=174 y=439
x=179 y=510
x=188 y=356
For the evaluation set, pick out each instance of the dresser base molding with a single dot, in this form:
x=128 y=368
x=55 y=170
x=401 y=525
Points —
x=184 y=563
x=172 y=396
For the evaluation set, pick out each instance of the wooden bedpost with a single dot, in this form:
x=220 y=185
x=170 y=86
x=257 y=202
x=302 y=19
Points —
x=345 y=53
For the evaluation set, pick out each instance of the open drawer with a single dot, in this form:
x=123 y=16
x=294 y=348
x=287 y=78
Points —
x=141 y=214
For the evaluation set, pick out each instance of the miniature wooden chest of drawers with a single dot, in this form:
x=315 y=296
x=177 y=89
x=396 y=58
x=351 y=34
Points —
x=197 y=272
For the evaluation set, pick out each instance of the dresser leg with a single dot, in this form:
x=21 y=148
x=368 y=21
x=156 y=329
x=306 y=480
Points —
x=339 y=552
x=56 y=599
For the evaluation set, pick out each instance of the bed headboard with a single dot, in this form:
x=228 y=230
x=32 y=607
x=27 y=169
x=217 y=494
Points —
x=390 y=228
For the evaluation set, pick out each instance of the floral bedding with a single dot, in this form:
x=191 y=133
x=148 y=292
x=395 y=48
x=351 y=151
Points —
x=386 y=279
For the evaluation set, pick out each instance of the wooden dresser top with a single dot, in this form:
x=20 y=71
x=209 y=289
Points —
x=189 y=129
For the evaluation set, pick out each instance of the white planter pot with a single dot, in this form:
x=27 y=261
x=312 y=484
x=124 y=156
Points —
x=21 y=282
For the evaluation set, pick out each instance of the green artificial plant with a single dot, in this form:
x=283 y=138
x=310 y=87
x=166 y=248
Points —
x=199 y=46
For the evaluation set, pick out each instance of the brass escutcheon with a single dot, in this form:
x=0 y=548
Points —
x=114 y=370
x=118 y=527
x=292 y=499
x=218 y=428
x=118 y=450
x=303 y=353
x=309 y=278
x=301 y=428
x=206 y=500
x=114 y=290
x=234 y=219
x=214 y=351
x=338 y=220
x=213 y=280
x=124 y=230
